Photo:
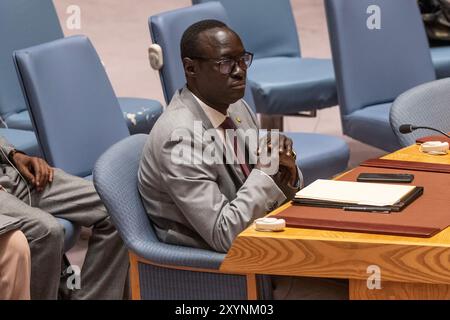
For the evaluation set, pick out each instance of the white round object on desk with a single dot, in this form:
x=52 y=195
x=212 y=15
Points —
x=269 y=224
x=434 y=147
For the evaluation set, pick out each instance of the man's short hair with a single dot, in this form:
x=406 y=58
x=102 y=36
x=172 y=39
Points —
x=189 y=41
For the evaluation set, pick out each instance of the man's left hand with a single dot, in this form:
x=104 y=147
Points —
x=35 y=170
x=287 y=171
x=287 y=158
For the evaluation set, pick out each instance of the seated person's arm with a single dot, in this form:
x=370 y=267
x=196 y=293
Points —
x=34 y=169
x=6 y=148
x=288 y=176
x=194 y=188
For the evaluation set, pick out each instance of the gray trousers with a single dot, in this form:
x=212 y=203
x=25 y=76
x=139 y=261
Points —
x=104 y=272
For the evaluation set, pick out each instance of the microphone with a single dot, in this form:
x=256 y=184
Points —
x=408 y=128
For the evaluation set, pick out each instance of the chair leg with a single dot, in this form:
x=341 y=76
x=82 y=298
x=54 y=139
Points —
x=134 y=277
x=270 y=122
x=252 y=289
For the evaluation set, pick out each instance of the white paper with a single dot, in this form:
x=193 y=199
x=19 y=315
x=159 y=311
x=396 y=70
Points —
x=362 y=193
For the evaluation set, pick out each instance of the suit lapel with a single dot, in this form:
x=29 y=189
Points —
x=233 y=169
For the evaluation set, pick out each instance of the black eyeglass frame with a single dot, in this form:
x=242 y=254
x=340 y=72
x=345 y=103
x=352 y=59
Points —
x=220 y=62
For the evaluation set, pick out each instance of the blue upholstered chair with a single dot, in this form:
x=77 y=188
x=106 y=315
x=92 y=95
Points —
x=159 y=270
x=282 y=81
x=320 y=156
x=25 y=23
x=74 y=110
x=408 y=108
x=22 y=140
x=374 y=66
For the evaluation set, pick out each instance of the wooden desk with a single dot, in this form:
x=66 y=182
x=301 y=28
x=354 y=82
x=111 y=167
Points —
x=411 y=268
x=412 y=153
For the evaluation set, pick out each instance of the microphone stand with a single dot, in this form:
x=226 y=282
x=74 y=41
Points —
x=432 y=129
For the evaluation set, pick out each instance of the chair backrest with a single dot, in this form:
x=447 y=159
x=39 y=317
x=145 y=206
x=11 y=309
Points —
x=23 y=23
x=75 y=113
x=374 y=65
x=166 y=30
x=267 y=27
x=425 y=105
x=116 y=181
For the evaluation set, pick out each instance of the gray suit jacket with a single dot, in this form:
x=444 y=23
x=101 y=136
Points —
x=196 y=203
x=6 y=148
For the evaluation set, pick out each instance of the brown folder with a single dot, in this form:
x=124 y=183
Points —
x=408 y=165
x=433 y=138
x=424 y=217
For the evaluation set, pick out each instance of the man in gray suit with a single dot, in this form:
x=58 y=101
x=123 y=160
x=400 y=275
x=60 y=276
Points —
x=36 y=193
x=198 y=203
x=192 y=196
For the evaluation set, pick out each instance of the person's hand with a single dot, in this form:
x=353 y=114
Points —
x=287 y=158
x=287 y=171
x=35 y=170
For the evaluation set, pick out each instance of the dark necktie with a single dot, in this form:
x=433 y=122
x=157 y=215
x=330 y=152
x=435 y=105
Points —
x=228 y=124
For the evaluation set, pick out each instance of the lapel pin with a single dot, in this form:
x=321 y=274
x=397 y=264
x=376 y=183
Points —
x=238 y=119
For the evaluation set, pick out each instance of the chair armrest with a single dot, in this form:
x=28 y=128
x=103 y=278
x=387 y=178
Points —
x=174 y=255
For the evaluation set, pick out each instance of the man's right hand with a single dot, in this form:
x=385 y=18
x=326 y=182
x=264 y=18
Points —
x=287 y=169
x=35 y=170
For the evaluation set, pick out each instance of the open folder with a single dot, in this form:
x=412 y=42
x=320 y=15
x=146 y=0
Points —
x=348 y=194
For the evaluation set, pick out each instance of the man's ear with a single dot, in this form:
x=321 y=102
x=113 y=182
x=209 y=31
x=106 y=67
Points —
x=189 y=67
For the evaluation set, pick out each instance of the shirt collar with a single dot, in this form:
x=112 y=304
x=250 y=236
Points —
x=216 y=117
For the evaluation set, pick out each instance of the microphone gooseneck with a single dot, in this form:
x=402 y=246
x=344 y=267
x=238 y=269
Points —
x=407 y=128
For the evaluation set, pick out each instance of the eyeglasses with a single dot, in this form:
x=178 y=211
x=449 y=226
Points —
x=227 y=65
